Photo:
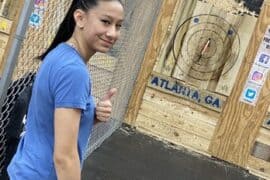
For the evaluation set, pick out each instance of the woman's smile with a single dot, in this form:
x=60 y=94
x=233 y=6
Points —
x=108 y=43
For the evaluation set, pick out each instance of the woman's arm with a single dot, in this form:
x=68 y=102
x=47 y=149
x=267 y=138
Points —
x=66 y=157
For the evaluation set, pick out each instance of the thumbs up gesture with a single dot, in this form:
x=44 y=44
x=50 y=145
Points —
x=104 y=106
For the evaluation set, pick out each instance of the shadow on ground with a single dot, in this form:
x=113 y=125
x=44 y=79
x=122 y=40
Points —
x=130 y=155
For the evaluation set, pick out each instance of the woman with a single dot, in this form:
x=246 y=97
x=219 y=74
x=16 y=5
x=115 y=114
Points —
x=61 y=110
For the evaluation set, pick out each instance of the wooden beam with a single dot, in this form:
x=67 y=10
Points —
x=165 y=61
x=240 y=122
x=152 y=52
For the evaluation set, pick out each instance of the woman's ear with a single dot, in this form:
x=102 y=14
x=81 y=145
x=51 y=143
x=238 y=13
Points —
x=80 y=18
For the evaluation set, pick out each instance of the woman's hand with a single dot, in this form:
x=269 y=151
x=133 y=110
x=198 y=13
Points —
x=104 y=106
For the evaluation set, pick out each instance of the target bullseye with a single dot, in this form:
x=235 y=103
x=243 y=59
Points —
x=205 y=47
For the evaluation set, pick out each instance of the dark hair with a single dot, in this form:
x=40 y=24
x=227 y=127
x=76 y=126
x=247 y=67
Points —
x=67 y=26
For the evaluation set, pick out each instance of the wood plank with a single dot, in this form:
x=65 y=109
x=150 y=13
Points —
x=181 y=106
x=3 y=40
x=173 y=135
x=13 y=9
x=184 y=69
x=232 y=47
x=149 y=60
x=240 y=122
x=258 y=167
x=226 y=82
x=165 y=61
x=9 y=9
x=201 y=8
x=2 y=51
x=180 y=119
x=263 y=136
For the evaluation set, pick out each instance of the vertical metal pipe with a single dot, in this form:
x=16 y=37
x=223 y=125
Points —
x=15 y=48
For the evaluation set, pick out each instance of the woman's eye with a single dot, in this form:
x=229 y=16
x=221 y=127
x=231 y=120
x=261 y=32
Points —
x=118 y=26
x=106 y=22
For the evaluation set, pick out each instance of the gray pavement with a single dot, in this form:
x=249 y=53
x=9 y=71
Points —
x=130 y=155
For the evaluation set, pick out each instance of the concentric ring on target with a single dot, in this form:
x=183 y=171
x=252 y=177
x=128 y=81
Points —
x=205 y=47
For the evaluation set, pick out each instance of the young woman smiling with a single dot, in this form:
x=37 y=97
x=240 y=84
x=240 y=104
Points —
x=62 y=110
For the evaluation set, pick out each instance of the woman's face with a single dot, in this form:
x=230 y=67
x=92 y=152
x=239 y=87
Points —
x=101 y=27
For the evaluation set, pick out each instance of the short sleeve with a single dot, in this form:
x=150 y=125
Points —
x=71 y=87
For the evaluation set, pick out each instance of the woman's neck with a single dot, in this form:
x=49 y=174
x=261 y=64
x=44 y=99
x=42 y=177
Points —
x=77 y=44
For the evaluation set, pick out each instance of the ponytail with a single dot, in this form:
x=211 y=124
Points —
x=65 y=30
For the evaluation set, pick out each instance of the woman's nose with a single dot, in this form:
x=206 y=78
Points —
x=112 y=32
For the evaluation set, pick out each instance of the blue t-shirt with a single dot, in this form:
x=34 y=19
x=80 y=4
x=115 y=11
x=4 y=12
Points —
x=62 y=81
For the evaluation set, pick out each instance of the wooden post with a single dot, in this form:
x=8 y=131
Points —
x=152 y=52
x=240 y=122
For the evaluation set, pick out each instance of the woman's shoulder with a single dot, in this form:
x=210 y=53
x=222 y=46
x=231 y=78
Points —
x=62 y=61
x=62 y=51
x=64 y=55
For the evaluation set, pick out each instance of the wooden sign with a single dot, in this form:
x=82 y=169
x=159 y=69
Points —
x=180 y=89
x=3 y=40
x=5 y=25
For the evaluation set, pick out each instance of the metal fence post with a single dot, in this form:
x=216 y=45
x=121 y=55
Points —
x=15 y=48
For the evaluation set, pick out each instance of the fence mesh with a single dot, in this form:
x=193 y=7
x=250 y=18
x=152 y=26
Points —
x=118 y=68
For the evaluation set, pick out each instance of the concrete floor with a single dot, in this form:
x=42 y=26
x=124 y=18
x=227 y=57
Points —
x=130 y=155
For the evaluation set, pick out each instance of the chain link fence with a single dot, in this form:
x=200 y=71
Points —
x=118 y=68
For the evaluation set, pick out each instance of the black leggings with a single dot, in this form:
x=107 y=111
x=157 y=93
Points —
x=15 y=127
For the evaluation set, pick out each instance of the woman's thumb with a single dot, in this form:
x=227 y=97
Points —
x=109 y=94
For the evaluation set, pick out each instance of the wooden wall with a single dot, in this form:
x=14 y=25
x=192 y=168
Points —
x=204 y=115
x=240 y=122
x=177 y=121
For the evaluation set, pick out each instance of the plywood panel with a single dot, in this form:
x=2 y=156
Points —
x=185 y=68
x=165 y=61
x=175 y=119
x=227 y=81
x=240 y=122
x=222 y=77
x=182 y=107
x=171 y=134
x=3 y=40
x=190 y=63
x=264 y=136
x=149 y=59
x=259 y=167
